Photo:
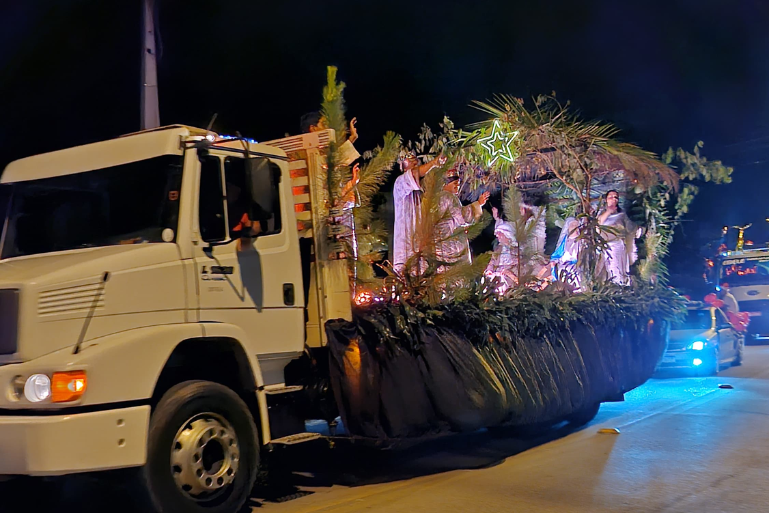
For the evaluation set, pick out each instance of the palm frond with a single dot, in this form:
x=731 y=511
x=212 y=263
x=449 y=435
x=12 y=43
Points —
x=375 y=173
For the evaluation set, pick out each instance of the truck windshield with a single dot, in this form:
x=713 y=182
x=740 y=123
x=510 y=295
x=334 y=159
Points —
x=127 y=204
x=745 y=271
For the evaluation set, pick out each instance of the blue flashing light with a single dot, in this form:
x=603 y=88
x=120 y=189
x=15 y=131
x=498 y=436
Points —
x=697 y=362
x=699 y=345
x=230 y=137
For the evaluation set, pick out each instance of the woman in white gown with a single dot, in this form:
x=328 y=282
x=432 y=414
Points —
x=620 y=234
x=503 y=264
x=504 y=261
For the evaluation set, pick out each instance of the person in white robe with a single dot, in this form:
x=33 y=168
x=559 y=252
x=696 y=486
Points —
x=620 y=234
x=535 y=245
x=407 y=199
x=503 y=264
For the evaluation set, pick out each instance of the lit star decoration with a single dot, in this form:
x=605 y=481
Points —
x=499 y=144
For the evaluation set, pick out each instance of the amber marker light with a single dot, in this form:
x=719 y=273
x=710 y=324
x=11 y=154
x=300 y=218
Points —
x=68 y=386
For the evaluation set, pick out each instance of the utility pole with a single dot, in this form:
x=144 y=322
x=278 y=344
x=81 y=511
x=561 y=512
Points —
x=150 y=109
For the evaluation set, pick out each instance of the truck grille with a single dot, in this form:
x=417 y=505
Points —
x=9 y=320
x=80 y=298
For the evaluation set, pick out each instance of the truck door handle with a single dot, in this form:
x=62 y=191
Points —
x=288 y=294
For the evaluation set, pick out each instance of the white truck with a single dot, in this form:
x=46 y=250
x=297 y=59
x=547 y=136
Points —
x=144 y=324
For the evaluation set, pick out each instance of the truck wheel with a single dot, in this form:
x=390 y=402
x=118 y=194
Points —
x=202 y=451
x=586 y=414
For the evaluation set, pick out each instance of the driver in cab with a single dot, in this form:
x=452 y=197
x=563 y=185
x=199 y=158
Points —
x=241 y=224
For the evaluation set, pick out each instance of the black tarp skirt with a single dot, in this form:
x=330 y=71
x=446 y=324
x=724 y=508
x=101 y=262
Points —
x=432 y=379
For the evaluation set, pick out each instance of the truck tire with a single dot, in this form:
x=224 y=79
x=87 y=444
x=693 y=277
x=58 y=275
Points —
x=202 y=451
x=581 y=417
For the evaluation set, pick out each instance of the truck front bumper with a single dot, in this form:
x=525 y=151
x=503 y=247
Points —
x=54 y=445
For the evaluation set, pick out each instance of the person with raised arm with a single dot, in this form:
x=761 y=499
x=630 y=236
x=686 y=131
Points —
x=451 y=244
x=407 y=198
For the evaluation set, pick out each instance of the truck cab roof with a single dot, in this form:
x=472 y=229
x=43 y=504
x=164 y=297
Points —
x=128 y=148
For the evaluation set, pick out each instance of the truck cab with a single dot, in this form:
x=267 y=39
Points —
x=152 y=292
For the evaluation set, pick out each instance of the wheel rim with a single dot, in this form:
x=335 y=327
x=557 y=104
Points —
x=205 y=456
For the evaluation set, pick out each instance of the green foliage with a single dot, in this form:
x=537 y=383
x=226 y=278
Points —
x=432 y=143
x=659 y=233
x=370 y=232
x=333 y=111
x=375 y=172
x=524 y=228
x=665 y=207
x=427 y=279
x=575 y=162
x=554 y=140
x=694 y=168
x=333 y=107
x=529 y=315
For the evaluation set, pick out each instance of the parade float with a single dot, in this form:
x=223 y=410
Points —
x=435 y=348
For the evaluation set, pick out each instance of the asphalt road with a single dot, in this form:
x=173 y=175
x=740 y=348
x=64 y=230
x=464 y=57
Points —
x=684 y=445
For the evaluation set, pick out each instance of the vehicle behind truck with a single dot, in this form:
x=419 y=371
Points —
x=747 y=274
x=153 y=288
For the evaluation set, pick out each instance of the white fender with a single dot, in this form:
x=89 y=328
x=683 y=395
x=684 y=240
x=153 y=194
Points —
x=231 y=331
x=121 y=367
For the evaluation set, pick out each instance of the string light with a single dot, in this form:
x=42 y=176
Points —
x=364 y=297
x=231 y=137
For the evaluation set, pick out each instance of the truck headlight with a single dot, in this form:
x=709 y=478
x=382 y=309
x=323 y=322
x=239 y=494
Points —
x=37 y=388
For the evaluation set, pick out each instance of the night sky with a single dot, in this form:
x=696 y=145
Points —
x=666 y=72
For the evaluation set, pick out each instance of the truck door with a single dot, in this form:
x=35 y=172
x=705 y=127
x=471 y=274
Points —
x=255 y=285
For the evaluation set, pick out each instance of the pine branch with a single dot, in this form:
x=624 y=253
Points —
x=333 y=107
